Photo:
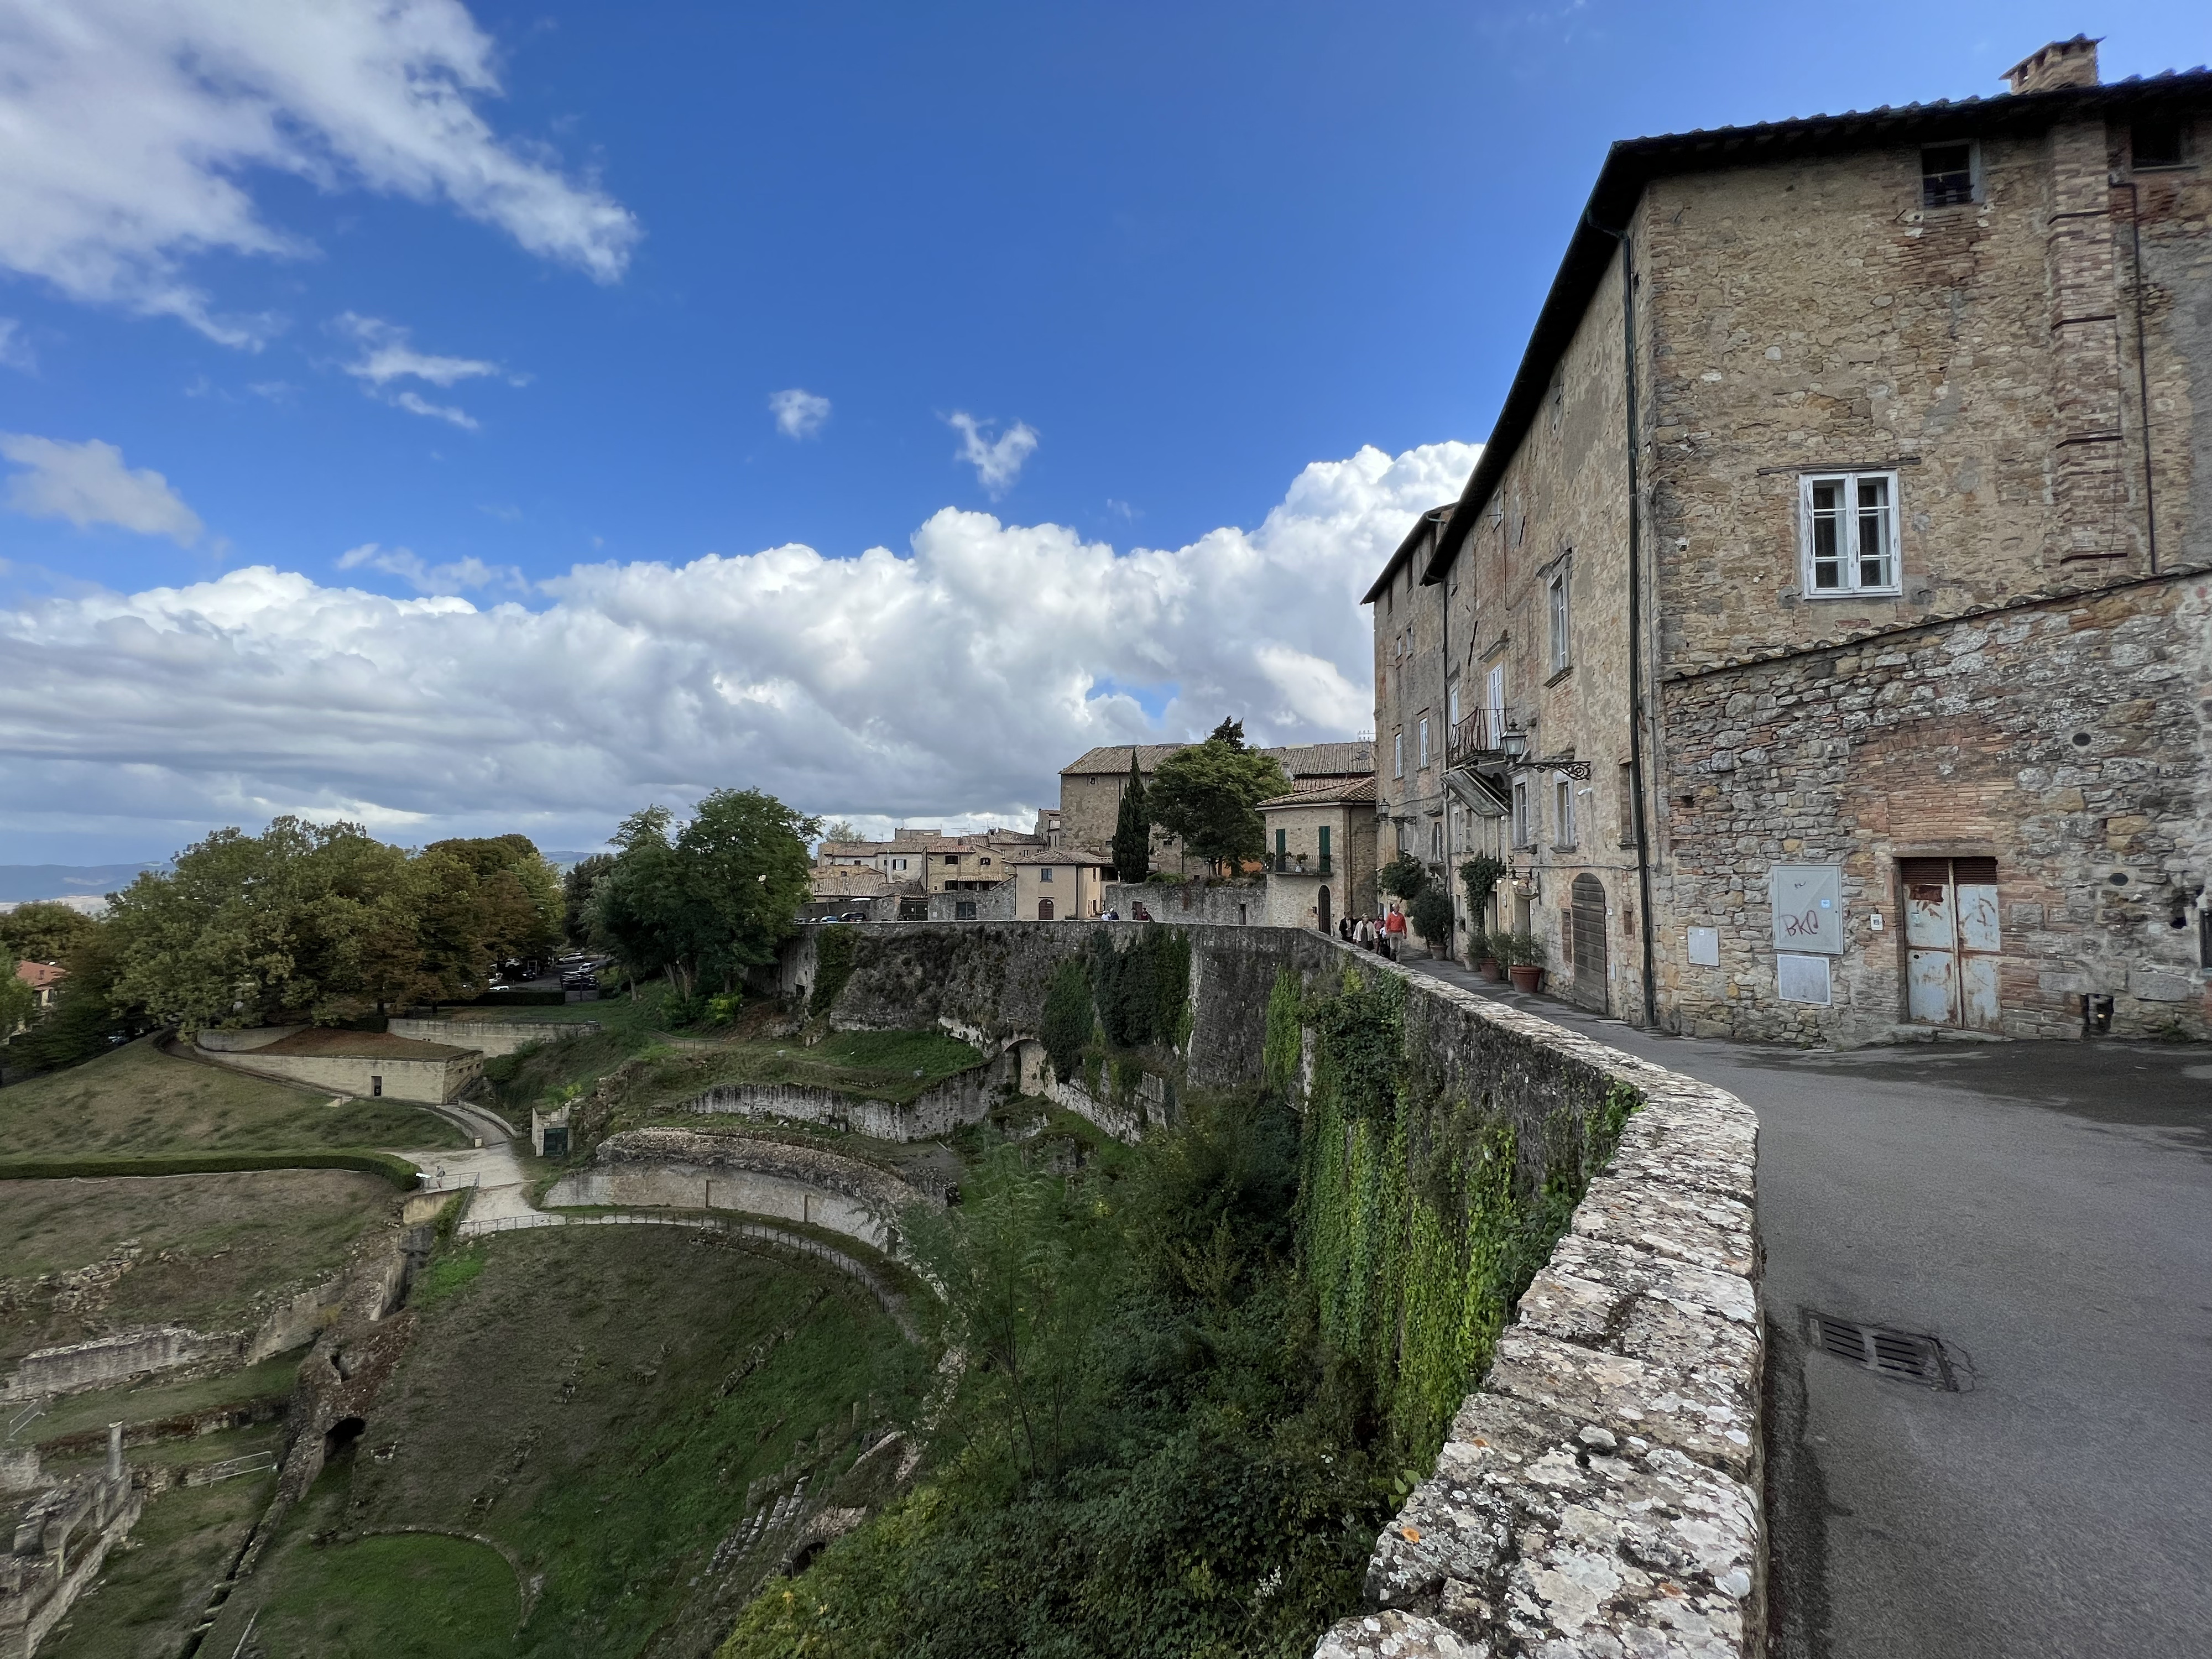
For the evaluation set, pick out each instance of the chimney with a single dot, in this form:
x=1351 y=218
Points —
x=2061 y=63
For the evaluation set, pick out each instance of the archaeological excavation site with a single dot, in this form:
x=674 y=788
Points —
x=1005 y=1287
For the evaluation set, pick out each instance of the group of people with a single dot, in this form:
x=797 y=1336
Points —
x=1384 y=935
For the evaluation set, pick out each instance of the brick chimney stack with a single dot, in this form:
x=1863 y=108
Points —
x=2061 y=63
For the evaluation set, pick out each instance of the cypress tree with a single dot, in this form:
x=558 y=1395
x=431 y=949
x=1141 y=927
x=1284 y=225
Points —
x=1133 y=830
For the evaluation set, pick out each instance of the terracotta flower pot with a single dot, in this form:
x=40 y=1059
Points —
x=1489 y=969
x=1527 y=976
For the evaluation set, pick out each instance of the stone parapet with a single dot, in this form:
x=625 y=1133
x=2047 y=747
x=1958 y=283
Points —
x=1599 y=1492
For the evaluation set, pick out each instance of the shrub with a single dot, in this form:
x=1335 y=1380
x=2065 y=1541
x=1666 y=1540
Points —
x=1068 y=1019
x=1431 y=913
x=1404 y=877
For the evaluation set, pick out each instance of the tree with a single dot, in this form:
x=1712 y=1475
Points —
x=577 y=894
x=1404 y=877
x=1206 y=795
x=716 y=897
x=86 y=1021
x=18 y=1001
x=1430 y=913
x=841 y=830
x=44 y=932
x=1133 y=829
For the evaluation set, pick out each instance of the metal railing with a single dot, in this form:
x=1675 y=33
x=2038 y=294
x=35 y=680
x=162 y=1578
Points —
x=24 y=1416
x=1482 y=732
x=1300 y=863
x=250 y=1463
x=453 y=1183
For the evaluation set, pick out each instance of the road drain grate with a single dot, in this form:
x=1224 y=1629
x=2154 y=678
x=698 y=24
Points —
x=1905 y=1355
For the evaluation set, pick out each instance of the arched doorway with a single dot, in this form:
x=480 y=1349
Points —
x=1044 y=909
x=1588 y=921
x=1326 y=924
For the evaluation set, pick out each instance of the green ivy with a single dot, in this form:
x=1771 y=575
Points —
x=1285 y=1045
x=835 y=951
x=1068 y=1018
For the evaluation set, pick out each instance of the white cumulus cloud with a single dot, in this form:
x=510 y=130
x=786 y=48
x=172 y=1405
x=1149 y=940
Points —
x=953 y=679
x=998 y=461
x=87 y=483
x=130 y=130
x=798 y=414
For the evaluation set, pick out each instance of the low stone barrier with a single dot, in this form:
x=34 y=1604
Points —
x=700 y=1170
x=938 y=1110
x=1598 y=1492
x=492 y=1036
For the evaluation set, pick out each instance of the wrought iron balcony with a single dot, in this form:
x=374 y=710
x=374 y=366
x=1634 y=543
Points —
x=1299 y=864
x=1479 y=736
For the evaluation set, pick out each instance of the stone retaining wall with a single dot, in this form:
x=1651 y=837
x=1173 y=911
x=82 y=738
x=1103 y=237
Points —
x=700 y=1170
x=961 y=1099
x=491 y=1036
x=1600 y=1491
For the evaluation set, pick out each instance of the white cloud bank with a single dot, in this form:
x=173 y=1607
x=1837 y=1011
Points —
x=127 y=125
x=87 y=483
x=957 y=678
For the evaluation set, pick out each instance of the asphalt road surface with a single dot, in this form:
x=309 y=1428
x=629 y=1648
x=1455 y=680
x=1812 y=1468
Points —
x=2044 y=1209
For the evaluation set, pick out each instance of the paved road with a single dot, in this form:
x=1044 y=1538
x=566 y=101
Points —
x=2046 y=1209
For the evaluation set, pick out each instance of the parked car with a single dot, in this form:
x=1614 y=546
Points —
x=853 y=915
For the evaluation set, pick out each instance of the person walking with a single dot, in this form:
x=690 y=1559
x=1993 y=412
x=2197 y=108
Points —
x=1393 y=928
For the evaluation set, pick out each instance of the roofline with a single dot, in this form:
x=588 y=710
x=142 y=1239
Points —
x=1434 y=515
x=1632 y=164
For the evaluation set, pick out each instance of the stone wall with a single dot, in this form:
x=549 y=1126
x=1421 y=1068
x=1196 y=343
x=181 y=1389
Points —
x=491 y=1036
x=965 y=1098
x=2049 y=734
x=689 y=1169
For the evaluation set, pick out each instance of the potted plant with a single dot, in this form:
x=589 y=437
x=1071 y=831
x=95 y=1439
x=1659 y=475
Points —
x=1524 y=955
x=1483 y=947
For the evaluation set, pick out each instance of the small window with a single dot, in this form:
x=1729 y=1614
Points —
x=376 y=1085
x=1562 y=809
x=986 y=859
x=1423 y=729
x=2157 y=143
x=1627 y=804
x=1524 y=829
x=1436 y=841
x=1849 y=533
x=1451 y=705
x=1948 y=175
x=1397 y=754
x=1556 y=592
x=952 y=858
x=1045 y=873
x=963 y=910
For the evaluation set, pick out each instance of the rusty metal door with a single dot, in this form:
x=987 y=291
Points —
x=1951 y=942
x=1589 y=949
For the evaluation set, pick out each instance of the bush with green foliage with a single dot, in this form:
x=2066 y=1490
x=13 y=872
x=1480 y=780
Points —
x=1479 y=876
x=835 y=951
x=1069 y=1019
x=1521 y=949
x=1431 y=913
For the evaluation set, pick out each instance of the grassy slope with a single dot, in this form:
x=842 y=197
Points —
x=140 y=1100
x=215 y=1249
x=149 y=1401
x=585 y=1397
x=425 y=1596
x=151 y=1591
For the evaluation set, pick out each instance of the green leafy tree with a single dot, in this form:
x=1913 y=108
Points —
x=576 y=896
x=702 y=905
x=514 y=897
x=1404 y=877
x=86 y=1020
x=1431 y=913
x=18 y=1001
x=1133 y=829
x=1207 y=795
x=44 y=931
x=248 y=929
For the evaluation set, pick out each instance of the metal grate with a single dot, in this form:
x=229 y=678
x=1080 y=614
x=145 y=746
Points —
x=1904 y=1355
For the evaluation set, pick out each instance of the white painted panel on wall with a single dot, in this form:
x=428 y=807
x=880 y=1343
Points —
x=1801 y=979
x=1809 y=907
x=1704 y=947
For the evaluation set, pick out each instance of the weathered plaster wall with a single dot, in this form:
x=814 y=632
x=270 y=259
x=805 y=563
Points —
x=434 y=1081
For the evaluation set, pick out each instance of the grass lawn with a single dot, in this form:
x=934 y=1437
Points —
x=214 y=1251
x=152 y=1590
x=138 y=1099
x=598 y=1400
x=419 y=1593
x=149 y=1403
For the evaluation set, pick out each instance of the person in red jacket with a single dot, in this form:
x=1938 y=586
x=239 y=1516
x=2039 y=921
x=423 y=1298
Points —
x=1394 y=932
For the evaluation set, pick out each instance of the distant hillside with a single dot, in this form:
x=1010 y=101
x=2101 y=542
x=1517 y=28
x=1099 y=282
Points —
x=20 y=883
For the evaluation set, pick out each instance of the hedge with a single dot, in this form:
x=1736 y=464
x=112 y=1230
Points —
x=397 y=1170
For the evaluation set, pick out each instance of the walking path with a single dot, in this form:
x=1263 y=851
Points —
x=2045 y=1210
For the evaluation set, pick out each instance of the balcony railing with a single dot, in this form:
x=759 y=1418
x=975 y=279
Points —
x=1478 y=734
x=1298 y=863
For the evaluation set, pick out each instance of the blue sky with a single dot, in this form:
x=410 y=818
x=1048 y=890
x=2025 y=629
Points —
x=1178 y=252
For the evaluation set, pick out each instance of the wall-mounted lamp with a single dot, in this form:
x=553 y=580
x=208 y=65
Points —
x=1515 y=743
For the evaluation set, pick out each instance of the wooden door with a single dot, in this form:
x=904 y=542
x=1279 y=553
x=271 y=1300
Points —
x=1590 y=944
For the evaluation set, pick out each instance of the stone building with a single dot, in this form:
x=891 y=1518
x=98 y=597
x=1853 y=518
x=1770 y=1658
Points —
x=1058 y=883
x=1320 y=854
x=1824 y=636
x=369 y=1063
x=1091 y=787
